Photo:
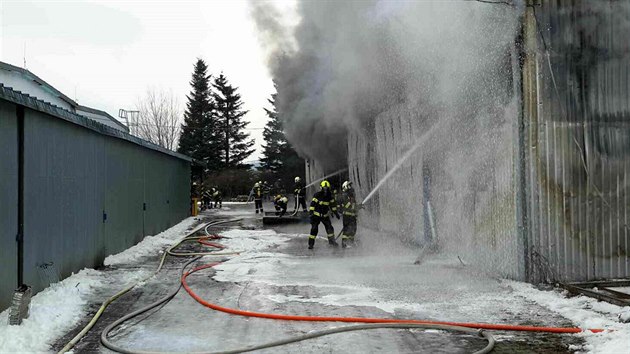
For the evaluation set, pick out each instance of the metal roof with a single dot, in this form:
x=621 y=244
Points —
x=23 y=99
x=102 y=113
x=29 y=75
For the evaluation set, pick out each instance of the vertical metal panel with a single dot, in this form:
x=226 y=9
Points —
x=84 y=195
x=584 y=145
x=8 y=202
x=467 y=154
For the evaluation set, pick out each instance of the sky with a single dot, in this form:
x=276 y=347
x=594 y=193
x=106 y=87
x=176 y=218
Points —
x=107 y=53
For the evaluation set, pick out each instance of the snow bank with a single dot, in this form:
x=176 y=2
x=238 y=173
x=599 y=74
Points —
x=54 y=311
x=150 y=244
x=57 y=309
x=585 y=312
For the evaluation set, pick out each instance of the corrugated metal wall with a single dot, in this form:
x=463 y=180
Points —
x=529 y=184
x=87 y=195
x=463 y=175
x=580 y=140
x=8 y=202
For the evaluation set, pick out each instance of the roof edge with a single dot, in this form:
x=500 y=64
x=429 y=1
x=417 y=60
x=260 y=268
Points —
x=19 y=98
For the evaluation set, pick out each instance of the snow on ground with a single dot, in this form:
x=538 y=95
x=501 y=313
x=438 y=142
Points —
x=53 y=312
x=585 y=312
x=467 y=301
x=57 y=309
x=150 y=244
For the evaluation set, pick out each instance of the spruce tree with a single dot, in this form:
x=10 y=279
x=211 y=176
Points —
x=198 y=136
x=278 y=155
x=235 y=145
x=274 y=140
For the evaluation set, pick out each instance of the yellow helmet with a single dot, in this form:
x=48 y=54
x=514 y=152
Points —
x=325 y=184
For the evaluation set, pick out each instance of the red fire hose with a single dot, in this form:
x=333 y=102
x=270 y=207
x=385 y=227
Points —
x=500 y=327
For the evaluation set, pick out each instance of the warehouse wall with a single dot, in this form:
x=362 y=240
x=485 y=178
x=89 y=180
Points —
x=526 y=166
x=580 y=150
x=8 y=202
x=463 y=116
x=87 y=195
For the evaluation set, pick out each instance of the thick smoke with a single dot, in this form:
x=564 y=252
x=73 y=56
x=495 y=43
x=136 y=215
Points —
x=347 y=62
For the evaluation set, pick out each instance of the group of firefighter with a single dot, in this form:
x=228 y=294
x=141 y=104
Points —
x=323 y=206
x=211 y=198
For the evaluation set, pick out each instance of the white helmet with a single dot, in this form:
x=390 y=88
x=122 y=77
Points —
x=347 y=185
x=297 y=179
x=256 y=185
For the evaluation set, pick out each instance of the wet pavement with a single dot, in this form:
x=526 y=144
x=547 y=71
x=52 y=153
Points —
x=375 y=279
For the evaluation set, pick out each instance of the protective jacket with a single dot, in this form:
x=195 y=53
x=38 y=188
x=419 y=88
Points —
x=299 y=189
x=281 y=202
x=258 y=192
x=322 y=203
x=349 y=208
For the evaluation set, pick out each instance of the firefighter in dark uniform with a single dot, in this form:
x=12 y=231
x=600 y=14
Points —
x=205 y=198
x=258 y=194
x=280 y=202
x=216 y=196
x=321 y=206
x=300 y=194
x=349 y=208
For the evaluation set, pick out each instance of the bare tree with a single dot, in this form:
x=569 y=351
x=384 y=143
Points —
x=159 y=118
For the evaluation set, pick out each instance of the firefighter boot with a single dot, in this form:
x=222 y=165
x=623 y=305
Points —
x=332 y=241
x=311 y=243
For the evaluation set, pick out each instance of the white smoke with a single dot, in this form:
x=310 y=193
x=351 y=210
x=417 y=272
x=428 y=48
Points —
x=347 y=62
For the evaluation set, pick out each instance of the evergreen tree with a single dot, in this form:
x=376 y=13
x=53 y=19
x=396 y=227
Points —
x=278 y=155
x=235 y=145
x=274 y=140
x=198 y=137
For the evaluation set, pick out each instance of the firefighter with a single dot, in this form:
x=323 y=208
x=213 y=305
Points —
x=349 y=210
x=321 y=206
x=300 y=194
x=216 y=196
x=258 y=194
x=205 y=198
x=280 y=203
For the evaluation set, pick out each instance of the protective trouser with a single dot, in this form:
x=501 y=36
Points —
x=349 y=229
x=281 y=209
x=330 y=231
x=258 y=203
x=301 y=202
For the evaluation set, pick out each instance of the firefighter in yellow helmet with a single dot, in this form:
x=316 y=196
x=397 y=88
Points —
x=322 y=205
x=258 y=194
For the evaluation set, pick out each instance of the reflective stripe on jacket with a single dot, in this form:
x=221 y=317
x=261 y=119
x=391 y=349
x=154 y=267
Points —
x=322 y=204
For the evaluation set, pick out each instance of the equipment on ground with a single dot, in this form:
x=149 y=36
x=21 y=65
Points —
x=20 y=305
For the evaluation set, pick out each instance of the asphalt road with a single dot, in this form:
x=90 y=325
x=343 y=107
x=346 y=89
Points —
x=376 y=279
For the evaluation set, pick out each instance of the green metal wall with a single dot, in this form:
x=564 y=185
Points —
x=87 y=195
x=8 y=202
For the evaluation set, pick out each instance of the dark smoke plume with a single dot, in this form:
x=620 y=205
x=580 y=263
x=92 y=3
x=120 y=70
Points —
x=346 y=62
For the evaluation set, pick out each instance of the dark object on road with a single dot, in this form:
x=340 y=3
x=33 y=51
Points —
x=270 y=218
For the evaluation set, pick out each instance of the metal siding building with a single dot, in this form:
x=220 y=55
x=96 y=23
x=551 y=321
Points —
x=577 y=119
x=89 y=191
x=529 y=179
